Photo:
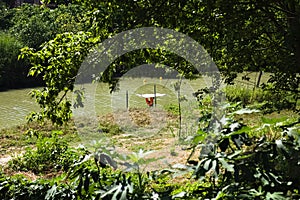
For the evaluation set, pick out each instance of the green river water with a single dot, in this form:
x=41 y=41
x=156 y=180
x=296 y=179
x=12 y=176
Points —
x=14 y=106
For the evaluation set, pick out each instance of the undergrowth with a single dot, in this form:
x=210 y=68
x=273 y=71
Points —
x=235 y=160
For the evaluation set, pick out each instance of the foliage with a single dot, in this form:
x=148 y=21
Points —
x=232 y=163
x=51 y=155
x=283 y=96
x=18 y=187
x=86 y=179
x=35 y=25
x=5 y=18
x=108 y=125
x=31 y=25
x=269 y=98
x=240 y=36
x=239 y=162
x=172 y=109
x=112 y=129
x=234 y=35
x=12 y=72
x=248 y=96
x=255 y=36
x=236 y=162
x=62 y=58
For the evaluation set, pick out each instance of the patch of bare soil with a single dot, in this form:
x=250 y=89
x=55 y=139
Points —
x=9 y=153
x=28 y=175
x=149 y=129
x=4 y=160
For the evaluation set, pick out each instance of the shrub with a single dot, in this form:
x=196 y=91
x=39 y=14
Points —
x=237 y=166
x=12 y=71
x=246 y=95
x=172 y=109
x=51 y=154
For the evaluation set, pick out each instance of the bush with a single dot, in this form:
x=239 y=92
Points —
x=12 y=71
x=51 y=154
x=35 y=25
x=18 y=187
x=247 y=95
x=5 y=17
x=235 y=165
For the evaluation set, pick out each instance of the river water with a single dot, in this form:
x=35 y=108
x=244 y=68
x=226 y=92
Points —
x=15 y=105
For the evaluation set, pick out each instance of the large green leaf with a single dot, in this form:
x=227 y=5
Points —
x=226 y=165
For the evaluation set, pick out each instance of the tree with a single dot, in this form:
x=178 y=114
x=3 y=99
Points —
x=256 y=36
x=58 y=63
x=240 y=36
x=35 y=25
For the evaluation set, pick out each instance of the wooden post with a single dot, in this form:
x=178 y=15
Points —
x=259 y=78
x=127 y=99
x=154 y=95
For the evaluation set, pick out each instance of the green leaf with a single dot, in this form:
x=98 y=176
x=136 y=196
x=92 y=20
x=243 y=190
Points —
x=226 y=165
x=207 y=164
x=275 y=196
x=246 y=111
x=200 y=137
x=51 y=193
x=272 y=121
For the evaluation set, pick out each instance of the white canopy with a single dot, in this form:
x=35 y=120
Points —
x=150 y=95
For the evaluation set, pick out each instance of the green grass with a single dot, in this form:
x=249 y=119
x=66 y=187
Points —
x=16 y=138
x=246 y=95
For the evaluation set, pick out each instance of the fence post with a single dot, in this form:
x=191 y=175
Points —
x=154 y=95
x=259 y=78
x=127 y=99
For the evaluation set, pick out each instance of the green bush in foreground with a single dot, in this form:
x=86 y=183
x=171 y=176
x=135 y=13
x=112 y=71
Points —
x=51 y=154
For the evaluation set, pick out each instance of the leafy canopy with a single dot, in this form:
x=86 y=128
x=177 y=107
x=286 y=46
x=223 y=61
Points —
x=240 y=36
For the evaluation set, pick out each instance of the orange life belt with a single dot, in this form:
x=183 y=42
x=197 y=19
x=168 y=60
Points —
x=149 y=102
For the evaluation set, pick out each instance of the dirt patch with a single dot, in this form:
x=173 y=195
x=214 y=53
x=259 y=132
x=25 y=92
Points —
x=28 y=175
x=149 y=129
x=4 y=160
x=140 y=117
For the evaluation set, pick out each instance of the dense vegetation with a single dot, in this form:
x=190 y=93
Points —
x=231 y=157
x=249 y=158
x=31 y=25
